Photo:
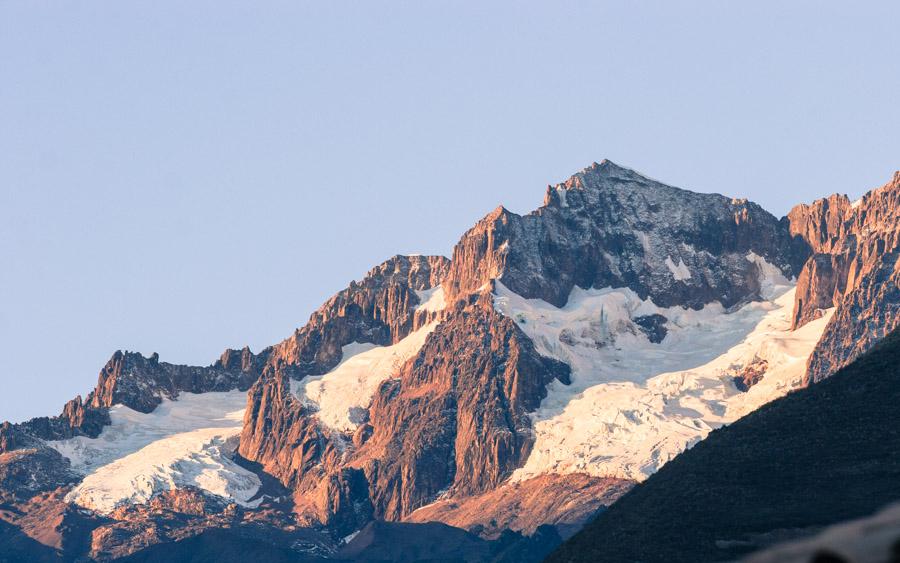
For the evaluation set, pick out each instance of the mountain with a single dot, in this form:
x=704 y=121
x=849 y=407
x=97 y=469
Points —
x=854 y=268
x=816 y=457
x=494 y=401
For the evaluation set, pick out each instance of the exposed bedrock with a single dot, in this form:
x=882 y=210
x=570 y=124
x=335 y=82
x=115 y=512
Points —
x=130 y=379
x=854 y=268
x=380 y=309
x=609 y=226
x=453 y=420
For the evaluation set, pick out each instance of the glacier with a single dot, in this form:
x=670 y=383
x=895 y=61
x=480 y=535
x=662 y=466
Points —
x=188 y=441
x=633 y=405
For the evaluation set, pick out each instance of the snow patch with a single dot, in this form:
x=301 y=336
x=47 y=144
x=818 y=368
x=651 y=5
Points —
x=645 y=242
x=431 y=300
x=771 y=280
x=634 y=405
x=185 y=442
x=349 y=538
x=342 y=396
x=680 y=272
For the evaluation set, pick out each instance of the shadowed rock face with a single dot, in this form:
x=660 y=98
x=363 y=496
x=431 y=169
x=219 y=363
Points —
x=609 y=226
x=433 y=541
x=855 y=268
x=27 y=472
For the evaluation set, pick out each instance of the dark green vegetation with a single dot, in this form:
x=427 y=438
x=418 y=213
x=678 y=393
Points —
x=827 y=453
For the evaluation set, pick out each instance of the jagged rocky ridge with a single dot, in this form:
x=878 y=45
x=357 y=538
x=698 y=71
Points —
x=138 y=382
x=608 y=226
x=452 y=422
x=378 y=310
x=855 y=267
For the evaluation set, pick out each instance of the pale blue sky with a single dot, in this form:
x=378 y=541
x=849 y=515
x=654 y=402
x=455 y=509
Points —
x=181 y=177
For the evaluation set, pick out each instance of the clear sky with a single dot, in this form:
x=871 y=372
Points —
x=182 y=177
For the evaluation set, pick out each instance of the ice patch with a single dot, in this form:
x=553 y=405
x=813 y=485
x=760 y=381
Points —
x=342 y=396
x=771 y=280
x=431 y=300
x=633 y=405
x=679 y=272
x=349 y=538
x=186 y=442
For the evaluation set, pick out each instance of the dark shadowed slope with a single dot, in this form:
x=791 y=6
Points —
x=822 y=455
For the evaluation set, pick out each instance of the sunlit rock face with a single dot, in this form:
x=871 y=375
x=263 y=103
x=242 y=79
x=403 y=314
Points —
x=855 y=268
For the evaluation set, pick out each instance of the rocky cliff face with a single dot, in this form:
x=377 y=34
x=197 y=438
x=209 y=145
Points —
x=138 y=382
x=854 y=267
x=142 y=383
x=608 y=226
x=381 y=309
x=452 y=420
x=455 y=418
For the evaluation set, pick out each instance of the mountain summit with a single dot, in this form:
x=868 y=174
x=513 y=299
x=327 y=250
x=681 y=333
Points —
x=512 y=390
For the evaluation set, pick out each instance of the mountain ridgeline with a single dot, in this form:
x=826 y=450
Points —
x=411 y=397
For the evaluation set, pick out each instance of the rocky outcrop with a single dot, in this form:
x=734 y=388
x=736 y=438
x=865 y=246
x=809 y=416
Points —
x=453 y=418
x=380 y=309
x=749 y=375
x=563 y=501
x=138 y=382
x=49 y=521
x=608 y=226
x=142 y=383
x=77 y=419
x=854 y=267
x=27 y=472
x=284 y=436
